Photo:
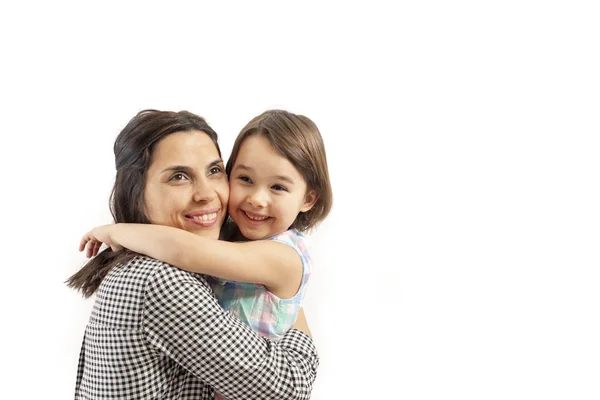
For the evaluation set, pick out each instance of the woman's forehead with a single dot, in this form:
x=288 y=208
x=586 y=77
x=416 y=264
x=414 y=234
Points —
x=193 y=147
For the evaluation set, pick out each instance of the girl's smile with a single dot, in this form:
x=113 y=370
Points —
x=266 y=191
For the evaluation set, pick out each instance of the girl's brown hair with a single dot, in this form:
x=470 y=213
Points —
x=298 y=139
x=133 y=154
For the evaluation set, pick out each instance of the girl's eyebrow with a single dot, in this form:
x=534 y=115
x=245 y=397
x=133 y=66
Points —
x=278 y=177
x=244 y=167
x=284 y=178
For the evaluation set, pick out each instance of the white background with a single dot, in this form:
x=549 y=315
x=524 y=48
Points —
x=461 y=256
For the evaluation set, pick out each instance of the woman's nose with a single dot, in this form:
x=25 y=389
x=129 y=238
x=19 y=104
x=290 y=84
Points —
x=204 y=193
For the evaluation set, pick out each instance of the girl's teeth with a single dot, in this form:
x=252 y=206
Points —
x=256 y=218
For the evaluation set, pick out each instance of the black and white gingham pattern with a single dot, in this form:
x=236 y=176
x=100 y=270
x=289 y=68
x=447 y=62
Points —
x=158 y=332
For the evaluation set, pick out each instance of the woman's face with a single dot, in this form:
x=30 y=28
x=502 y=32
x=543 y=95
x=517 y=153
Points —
x=186 y=184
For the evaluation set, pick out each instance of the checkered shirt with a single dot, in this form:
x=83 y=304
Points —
x=158 y=332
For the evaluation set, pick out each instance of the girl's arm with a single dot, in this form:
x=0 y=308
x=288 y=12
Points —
x=301 y=323
x=272 y=264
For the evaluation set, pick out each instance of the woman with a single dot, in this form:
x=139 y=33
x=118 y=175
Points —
x=157 y=331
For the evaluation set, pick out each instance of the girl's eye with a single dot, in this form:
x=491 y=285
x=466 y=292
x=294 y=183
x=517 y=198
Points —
x=279 y=188
x=244 y=178
x=179 y=176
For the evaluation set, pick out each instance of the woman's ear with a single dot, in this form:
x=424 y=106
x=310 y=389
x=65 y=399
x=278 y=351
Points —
x=309 y=201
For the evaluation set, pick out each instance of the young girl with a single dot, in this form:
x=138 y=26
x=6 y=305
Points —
x=279 y=187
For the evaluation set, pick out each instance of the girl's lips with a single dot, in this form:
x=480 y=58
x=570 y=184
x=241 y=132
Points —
x=254 y=222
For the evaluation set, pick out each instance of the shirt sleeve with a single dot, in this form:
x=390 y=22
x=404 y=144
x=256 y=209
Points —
x=183 y=320
x=297 y=242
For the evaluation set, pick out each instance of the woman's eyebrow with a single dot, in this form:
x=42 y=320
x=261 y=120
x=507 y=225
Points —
x=189 y=170
x=182 y=168
x=215 y=162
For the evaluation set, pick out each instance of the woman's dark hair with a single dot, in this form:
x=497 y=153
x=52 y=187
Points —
x=133 y=154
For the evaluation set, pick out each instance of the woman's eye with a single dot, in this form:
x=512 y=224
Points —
x=179 y=176
x=216 y=170
x=244 y=178
x=279 y=188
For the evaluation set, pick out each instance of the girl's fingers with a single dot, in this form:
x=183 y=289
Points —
x=83 y=242
x=90 y=248
x=97 y=248
x=88 y=252
x=90 y=244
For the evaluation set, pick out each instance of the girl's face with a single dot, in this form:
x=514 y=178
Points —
x=186 y=184
x=266 y=191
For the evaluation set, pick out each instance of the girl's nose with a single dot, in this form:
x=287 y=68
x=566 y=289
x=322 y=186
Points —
x=258 y=199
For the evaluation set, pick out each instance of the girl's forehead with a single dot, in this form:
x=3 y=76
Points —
x=260 y=158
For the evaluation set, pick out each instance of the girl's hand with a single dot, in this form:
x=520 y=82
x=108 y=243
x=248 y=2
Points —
x=94 y=239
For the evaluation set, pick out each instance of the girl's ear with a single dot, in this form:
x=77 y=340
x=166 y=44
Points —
x=309 y=201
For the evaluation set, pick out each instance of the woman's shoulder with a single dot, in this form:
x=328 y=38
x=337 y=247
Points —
x=150 y=270
x=142 y=265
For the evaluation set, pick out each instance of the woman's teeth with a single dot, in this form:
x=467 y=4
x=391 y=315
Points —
x=206 y=217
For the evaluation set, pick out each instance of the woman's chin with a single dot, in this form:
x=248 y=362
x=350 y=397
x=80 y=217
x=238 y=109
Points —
x=208 y=230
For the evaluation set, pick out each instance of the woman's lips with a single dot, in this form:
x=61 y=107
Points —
x=205 y=218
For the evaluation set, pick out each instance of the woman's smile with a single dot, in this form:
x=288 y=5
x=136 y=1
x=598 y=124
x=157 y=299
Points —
x=205 y=218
